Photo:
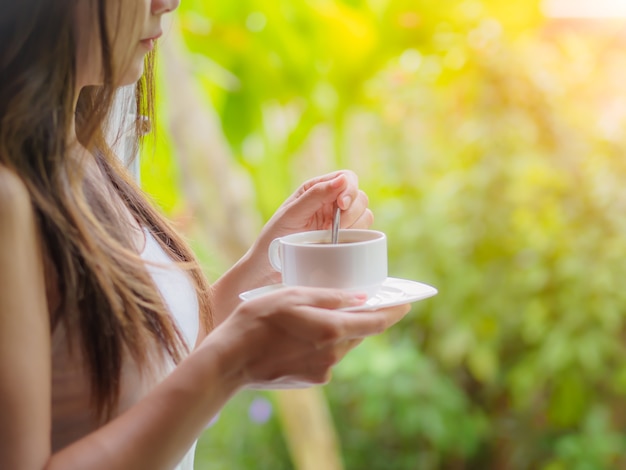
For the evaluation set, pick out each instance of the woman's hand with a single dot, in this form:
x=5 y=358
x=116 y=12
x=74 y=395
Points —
x=292 y=338
x=312 y=206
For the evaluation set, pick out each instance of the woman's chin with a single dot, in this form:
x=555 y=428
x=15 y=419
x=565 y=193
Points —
x=132 y=74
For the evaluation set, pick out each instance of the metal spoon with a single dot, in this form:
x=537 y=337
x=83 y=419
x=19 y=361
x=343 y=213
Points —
x=335 y=230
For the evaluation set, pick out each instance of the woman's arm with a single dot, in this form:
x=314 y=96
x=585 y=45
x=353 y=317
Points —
x=279 y=341
x=286 y=339
x=154 y=434
x=24 y=333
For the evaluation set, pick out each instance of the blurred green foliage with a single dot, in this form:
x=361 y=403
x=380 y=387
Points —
x=490 y=142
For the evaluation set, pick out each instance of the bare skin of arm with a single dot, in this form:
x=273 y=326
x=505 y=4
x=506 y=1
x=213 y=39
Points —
x=300 y=332
x=24 y=333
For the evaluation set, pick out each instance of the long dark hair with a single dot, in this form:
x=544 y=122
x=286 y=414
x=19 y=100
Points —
x=106 y=294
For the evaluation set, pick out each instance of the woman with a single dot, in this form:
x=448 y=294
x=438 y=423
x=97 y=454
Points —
x=114 y=351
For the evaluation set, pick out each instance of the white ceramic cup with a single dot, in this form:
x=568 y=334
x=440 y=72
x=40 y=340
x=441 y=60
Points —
x=357 y=262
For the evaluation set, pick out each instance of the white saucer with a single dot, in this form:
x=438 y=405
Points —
x=394 y=291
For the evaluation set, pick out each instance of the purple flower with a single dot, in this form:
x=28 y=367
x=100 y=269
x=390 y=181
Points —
x=260 y=411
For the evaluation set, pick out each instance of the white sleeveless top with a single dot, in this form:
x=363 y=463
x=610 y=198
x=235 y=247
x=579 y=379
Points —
x=72 y=416
x=182 y=301
x=176 y=289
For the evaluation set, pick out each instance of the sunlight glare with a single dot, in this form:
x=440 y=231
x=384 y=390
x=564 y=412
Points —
x=585 y=8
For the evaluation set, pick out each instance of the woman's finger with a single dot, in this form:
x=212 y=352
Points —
x=309 y=314
x=324 y=298
x=324 y=179
x=391 y=315
x=349 y=195
x=323 y=193
x=319 y=369
x=312 y=315
x=365 y=221
x=356 y=211
x=343 y=348
x=329 y=327
x=341 y=187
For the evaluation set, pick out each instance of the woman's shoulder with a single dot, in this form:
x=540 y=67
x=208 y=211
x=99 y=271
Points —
x=18 y=223
x=18 y=229
x=15 y=202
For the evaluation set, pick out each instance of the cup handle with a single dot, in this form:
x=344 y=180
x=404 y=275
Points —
x=274 y=255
